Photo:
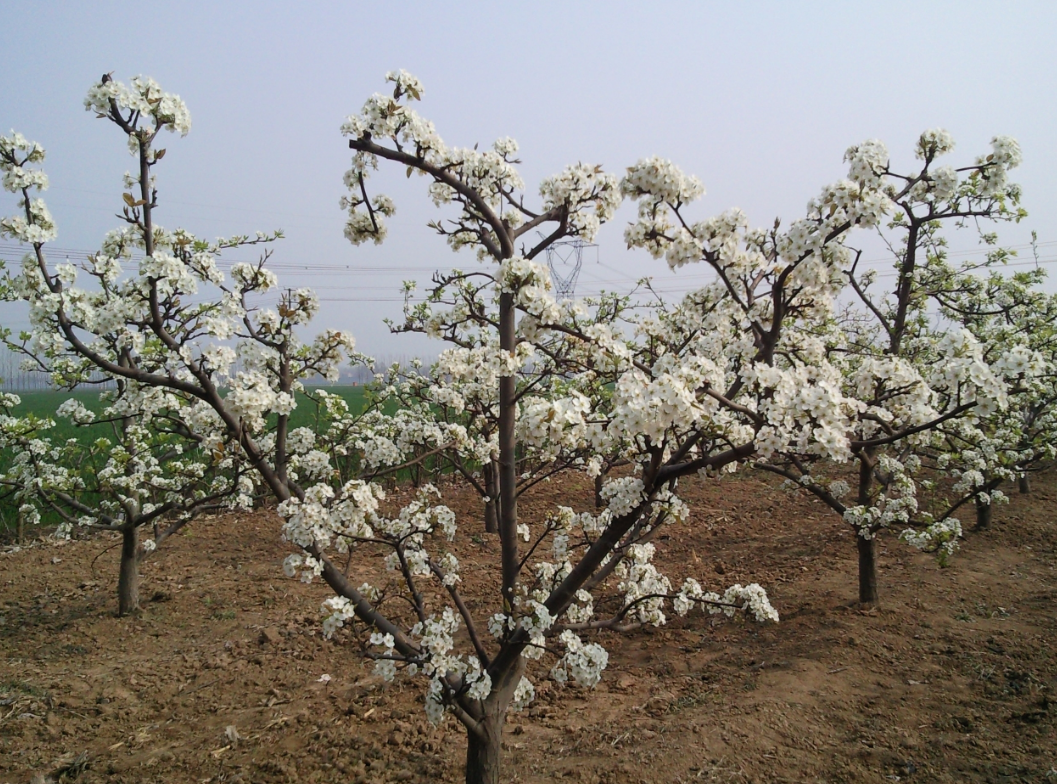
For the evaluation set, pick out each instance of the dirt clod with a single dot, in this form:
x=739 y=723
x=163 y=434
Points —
x=270 y=636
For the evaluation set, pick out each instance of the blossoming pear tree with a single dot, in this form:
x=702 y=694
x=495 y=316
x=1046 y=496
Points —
x=135 y=471
x=1014 y=319
x=911 y=378
x=147 y=473
x=195 y=420
x=554 y=573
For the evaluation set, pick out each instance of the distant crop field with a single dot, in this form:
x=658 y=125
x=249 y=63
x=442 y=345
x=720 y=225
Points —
x=43 y=403
x=305 y=412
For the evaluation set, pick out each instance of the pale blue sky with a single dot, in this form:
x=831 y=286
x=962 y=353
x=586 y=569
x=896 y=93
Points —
x=759 y=100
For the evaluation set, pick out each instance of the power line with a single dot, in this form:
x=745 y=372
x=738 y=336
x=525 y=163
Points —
x=110 y=194
x=681 y=282
x=82 y=255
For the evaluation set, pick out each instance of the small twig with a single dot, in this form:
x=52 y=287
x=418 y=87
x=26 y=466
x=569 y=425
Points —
x=103 y=552
x=202 y=686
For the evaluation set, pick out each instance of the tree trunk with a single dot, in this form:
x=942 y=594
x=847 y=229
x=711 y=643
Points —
x=483 y=750
x=598 y=490
x=484 y=741
x=1024 y=484
x=983 y=513
x=491 y=512
x=867 y=547
x=508 y=452
x=491 y=517
x=867 y=570
x=128 y=581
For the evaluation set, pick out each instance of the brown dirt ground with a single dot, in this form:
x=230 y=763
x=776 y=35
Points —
x=951 y=680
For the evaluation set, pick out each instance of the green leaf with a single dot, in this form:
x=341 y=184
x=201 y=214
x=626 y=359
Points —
x=128 y=199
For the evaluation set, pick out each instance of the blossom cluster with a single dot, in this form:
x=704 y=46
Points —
x=142 y=98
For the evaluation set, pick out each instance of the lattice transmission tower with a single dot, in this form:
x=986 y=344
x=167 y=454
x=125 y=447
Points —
x=565 y=260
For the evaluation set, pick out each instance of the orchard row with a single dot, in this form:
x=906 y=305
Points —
x=900 y=407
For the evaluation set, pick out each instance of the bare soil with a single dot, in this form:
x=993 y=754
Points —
x=218 y=678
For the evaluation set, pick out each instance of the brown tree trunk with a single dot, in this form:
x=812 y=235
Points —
x=867 y=547
x=598 y=490
x=867 y=570
x=1024 y=484
x=491 y=511
x=128 y=580
x=508 y=453
x=491 y=517
x=484 y=741
x=983 y=513
x=483 y=751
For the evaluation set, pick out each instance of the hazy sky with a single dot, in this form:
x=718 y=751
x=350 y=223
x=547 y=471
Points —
x=759 y=100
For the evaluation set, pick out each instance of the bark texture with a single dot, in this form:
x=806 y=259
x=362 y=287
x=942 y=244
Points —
x=867 y=570
x=483 y=750
x=491 y=507
x=128 y=579
x=983 y=514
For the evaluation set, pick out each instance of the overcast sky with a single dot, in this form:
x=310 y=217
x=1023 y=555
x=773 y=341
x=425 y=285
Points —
x=759 y=100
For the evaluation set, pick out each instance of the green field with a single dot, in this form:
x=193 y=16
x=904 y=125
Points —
x=305 y=412
x=43 y=404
